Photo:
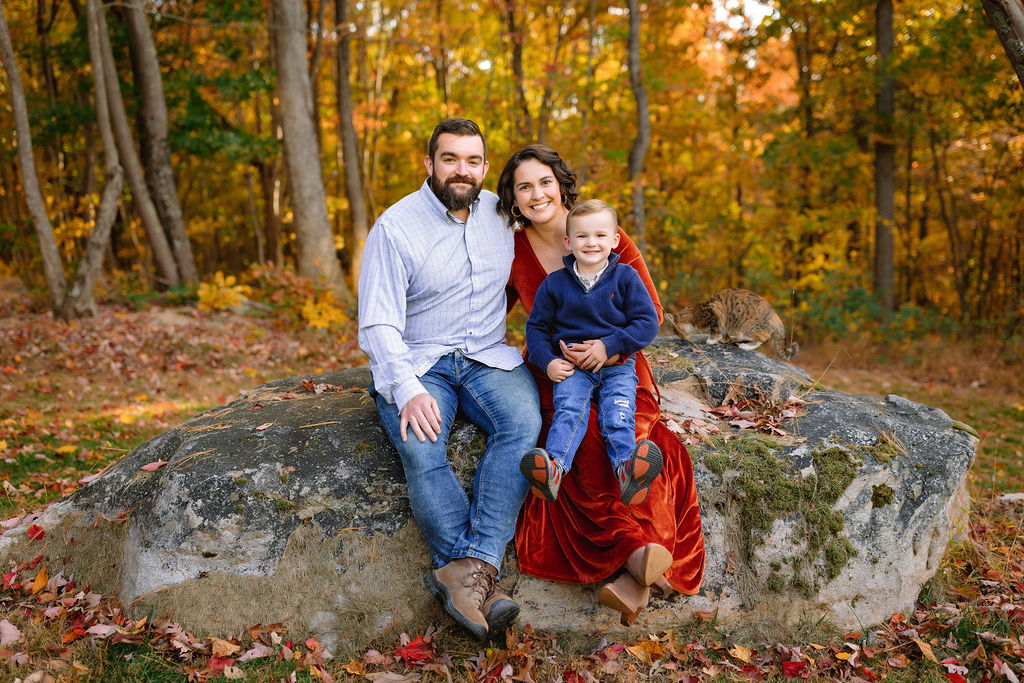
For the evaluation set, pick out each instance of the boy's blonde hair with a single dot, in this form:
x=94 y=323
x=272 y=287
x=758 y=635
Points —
x=587 y=208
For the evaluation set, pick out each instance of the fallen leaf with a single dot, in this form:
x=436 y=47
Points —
x=153 y=466
x=258 y=651
x=100 y=631
x=926 y=650
x=741 y=653
x=265 y=425
x=223 y=648
x=1001 y=668
x=793 y=669
x=354 y=667
x=419 y=649
x=392 y=677
x=35 y=532
x=646 y=651
x=42 y=576
x=9 y=633
x=977 y=654
x=233 y=673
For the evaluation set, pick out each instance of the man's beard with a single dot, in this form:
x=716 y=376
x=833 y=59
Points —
x=450 y=197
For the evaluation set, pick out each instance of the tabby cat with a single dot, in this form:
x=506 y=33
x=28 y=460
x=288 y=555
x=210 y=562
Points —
x=735 y=316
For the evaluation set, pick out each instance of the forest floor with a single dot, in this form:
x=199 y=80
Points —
x=73 y=398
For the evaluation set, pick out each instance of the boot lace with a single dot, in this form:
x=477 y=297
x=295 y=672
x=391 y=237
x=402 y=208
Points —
x=480 y=583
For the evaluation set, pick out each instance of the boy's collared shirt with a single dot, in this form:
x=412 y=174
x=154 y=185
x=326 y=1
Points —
x=588 y=282
x=431 y=284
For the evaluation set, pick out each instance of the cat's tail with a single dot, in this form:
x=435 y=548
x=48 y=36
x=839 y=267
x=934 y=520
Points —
x=778 y=344
x=785 y=353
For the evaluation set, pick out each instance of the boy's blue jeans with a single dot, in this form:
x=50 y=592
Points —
x=616 y=412
x=504 y=404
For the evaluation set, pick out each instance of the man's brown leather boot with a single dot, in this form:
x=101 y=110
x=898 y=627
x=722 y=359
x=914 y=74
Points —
x=462 y=586
x=499 y=608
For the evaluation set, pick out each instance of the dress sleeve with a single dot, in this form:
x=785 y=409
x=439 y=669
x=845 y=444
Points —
x=511 y=296
x=630 y=255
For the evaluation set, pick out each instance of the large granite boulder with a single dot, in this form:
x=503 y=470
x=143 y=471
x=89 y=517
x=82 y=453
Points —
x=288 y=504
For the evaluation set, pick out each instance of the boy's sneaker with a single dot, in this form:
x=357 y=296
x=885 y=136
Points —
x=543 y=473
x=638 y=473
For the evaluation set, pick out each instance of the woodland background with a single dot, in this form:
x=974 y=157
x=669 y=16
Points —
x=752 y=140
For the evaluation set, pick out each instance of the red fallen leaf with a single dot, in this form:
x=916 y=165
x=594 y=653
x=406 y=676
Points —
x=793 y=669
x=153 y=466
x=35 y=532
x=956 y=678
x=867 y=673
x=33 y=563
x=218 y=663
x=9 y=578
x=73 y=634
x=573 y=677
x=419 y=649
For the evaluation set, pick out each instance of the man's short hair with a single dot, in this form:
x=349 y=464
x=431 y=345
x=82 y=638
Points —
x=587 y=208
x=455 y=126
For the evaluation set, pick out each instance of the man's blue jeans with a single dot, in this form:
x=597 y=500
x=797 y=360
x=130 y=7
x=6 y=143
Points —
x=616 y=412
x=504 y=404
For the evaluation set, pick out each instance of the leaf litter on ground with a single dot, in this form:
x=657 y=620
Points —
x=976 y=625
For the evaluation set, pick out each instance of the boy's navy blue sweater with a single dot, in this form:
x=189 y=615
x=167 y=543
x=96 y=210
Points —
x=618 y=311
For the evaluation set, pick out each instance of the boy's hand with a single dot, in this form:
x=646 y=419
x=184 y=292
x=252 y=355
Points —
x=593 y=357
x=574 y=353
x=559 y=369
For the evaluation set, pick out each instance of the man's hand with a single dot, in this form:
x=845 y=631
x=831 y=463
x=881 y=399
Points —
x=580 y=350
x=559 y=369
x=423 y=415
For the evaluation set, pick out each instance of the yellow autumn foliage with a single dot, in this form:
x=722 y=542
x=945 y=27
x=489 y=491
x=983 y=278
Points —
x=322 y=311
x=222 y=293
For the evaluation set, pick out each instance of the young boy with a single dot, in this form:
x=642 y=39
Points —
x=592 y=298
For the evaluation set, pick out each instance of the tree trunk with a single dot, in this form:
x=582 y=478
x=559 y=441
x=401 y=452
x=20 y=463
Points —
x=166 y=266
x=638 y=151
x=80 y=301
x=1007 y=18
x=563 y=28
x=314 y=69
x=588 y=98
x=885 y=151
x=314 y=240
x=520 y=109
x=439 y=58
x=350 y=144
x=153 y=134
x=53 y=266
x=951 y=221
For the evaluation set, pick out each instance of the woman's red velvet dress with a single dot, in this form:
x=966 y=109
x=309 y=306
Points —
x=588 y=533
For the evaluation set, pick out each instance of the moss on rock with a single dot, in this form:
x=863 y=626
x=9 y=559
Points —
x=764 y=488
x=881 y=495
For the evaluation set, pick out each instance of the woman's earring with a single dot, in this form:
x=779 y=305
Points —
x=515 y=208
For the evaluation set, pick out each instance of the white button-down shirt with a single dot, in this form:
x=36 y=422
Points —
x=431 y=284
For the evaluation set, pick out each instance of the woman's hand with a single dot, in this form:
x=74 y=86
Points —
x=574 y=354
x=559 y=369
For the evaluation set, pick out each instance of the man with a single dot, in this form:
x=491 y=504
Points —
x=432 y=321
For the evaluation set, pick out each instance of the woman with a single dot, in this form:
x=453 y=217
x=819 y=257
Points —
x=588 y=533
